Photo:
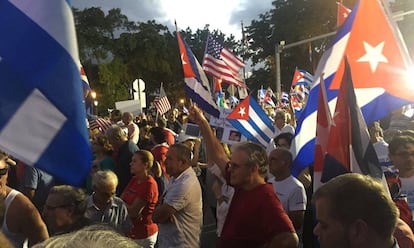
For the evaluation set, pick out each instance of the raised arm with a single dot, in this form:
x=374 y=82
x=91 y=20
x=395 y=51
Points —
x=214 y=149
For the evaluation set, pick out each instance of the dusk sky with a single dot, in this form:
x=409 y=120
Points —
x=224 y=15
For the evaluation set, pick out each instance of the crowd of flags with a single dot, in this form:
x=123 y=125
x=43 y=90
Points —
x=361 y=73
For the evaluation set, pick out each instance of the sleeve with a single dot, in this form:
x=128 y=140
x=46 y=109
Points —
x=30 y=177
x=297 y=200
x=149 y=191
x=176 y=195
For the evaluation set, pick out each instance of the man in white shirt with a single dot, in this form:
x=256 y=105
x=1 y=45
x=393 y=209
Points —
x=288 y=189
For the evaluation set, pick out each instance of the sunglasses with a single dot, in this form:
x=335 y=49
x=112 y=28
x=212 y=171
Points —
x=4 y=171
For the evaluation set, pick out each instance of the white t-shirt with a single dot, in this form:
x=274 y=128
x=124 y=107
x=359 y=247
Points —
x=184 y=195
x=291 y=193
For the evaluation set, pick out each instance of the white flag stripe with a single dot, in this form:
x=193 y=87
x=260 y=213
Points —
x=259 y=122
x=251 y=130
x=45 y=120
x=42 y=18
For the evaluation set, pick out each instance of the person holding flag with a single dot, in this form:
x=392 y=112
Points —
x=251 y=221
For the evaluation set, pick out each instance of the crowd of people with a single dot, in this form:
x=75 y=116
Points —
x=149 y=180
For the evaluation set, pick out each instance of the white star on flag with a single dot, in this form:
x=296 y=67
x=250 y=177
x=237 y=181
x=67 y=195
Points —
x=242 y=111
x=182 y=59
x=373 y=55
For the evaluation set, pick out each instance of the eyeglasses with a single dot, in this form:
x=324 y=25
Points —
x=4 y=171
x=405 y=154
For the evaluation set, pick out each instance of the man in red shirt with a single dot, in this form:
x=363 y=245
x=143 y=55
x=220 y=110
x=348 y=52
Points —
x=256 y=217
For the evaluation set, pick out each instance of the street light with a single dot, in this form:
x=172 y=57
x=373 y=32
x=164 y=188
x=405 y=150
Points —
x=93 y=95
x=95 y=104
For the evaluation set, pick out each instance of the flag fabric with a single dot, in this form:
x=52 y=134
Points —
x=324 y=121
x=302 y=77
x=217 y=85
x=42 y=117
x=100 y=123
x=161 y=102
x=221 y=63
x=379 y=63
x=261 y=94
x=349 y=148
x=196 y=83
x=85 y=81
x=268 y=98
x=252 y=122
x=285 y=97
x=343 y=13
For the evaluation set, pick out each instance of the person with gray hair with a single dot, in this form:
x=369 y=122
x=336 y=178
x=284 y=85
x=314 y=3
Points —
x=95 y=236
x=103 y=206
x=251 y=221
x=64 y=209
x=354 y=210
x=124 y=149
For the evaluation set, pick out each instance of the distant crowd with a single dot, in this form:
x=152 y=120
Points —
x=149 y=181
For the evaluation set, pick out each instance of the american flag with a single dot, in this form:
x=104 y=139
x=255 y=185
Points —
x=221 y=63
x=161 y=102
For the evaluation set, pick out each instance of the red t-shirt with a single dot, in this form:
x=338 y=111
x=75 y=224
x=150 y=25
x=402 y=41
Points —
x=148 y=191
x=254 y=218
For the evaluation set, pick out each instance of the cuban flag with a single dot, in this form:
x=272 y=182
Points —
x=252 y=122
x=349 y=148
x=302 y=77
x=380 y=66
x=42 y=117
x=85 y=81
x=196 y=83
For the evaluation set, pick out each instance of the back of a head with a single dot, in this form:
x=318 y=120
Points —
x=96 y=236
x=116 y=115
x=116 y=133
x=257 y=156
x=158 y=134
x=354 y=196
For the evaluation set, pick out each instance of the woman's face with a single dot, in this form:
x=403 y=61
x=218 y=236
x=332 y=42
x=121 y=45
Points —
x=137 y=166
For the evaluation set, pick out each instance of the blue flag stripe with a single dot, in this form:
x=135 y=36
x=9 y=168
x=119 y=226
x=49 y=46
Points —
x=34 y=59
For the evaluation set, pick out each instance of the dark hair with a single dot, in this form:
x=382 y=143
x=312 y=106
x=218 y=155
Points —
x=286 y=136
x=72 y=197
x=398 y=141
x=159 y=135
x=183 y=152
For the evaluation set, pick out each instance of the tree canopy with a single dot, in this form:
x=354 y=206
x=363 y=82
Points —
x=115 y=51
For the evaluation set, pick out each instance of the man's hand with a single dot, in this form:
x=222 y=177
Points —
x=196 y=115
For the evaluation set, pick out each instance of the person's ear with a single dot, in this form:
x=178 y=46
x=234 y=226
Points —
x=358 y=231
